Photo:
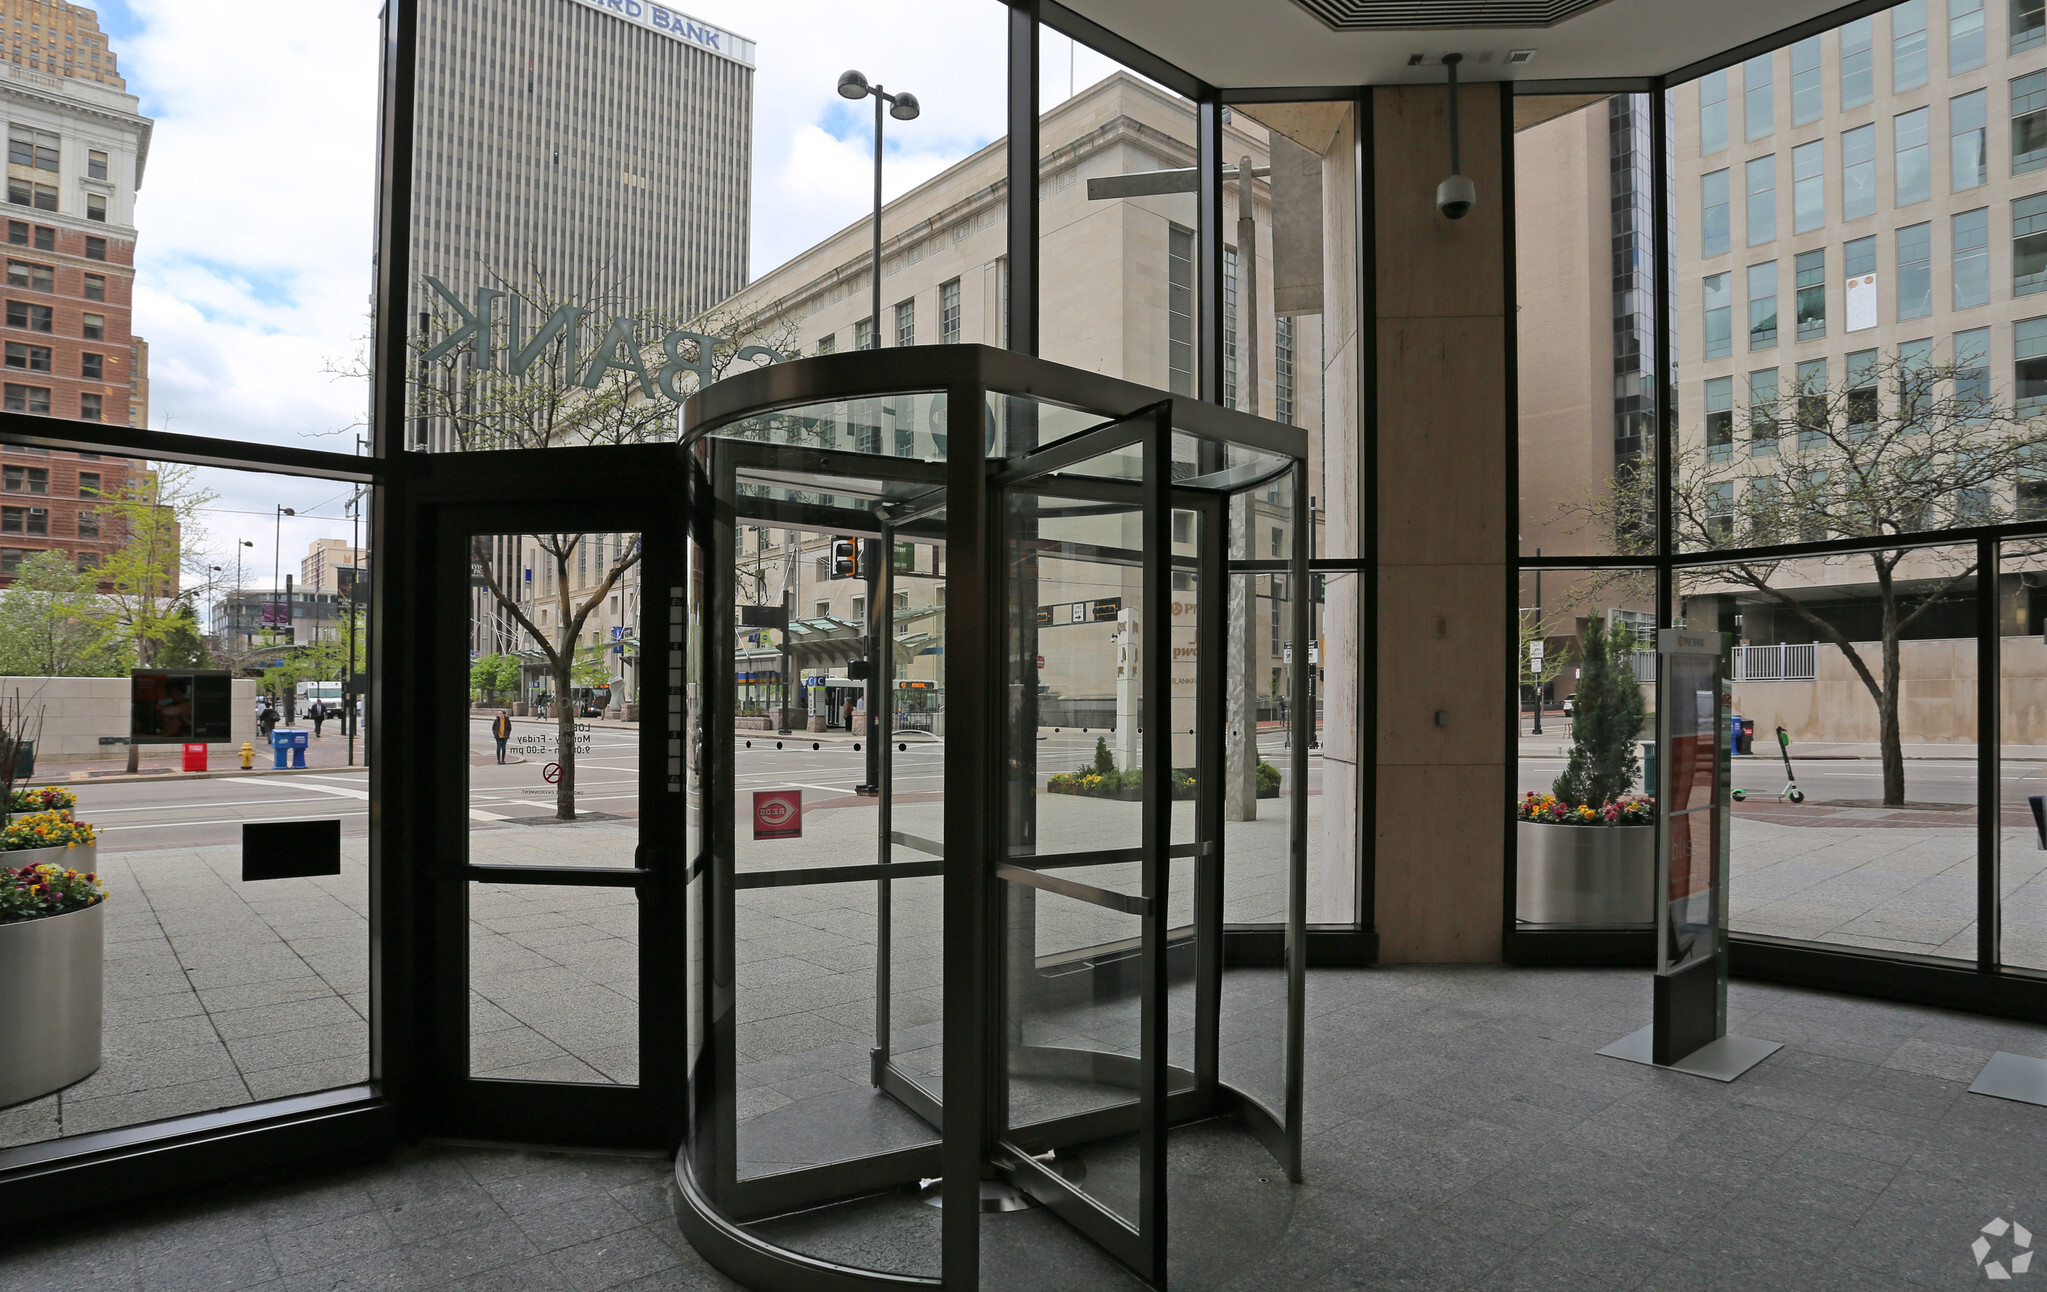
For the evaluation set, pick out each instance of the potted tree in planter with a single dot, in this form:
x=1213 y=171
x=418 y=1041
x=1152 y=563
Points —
x=52 y=938
x=1586 y=851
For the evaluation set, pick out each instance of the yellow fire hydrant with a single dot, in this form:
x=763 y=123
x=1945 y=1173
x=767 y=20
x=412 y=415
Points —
x=248 y=756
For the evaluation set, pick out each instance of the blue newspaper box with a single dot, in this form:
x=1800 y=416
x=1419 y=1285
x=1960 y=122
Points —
x=287 y=739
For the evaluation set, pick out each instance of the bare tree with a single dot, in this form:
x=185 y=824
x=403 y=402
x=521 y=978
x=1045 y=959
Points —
x=527 y=367
x=1897 y=447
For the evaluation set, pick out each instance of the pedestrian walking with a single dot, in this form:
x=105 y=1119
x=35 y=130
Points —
x=319 y=716
x=266 y=721
x=501 y=731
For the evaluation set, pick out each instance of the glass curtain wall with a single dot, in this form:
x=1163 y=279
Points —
x=1834 y=466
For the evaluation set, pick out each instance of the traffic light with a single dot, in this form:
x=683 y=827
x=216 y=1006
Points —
x=845 y=558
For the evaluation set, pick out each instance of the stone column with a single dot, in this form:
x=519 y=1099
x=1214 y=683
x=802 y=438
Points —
x=1444 y=431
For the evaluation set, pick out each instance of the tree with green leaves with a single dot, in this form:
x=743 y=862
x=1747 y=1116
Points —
x=493 y=677
x=1607 y=721
x=1898 y=447
x=50 y=621
x=156 y=514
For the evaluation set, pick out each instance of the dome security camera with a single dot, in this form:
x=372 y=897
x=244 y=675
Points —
x=1454 y=197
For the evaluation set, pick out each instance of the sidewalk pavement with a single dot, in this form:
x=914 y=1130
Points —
x=1556 y=742
x=327 y=751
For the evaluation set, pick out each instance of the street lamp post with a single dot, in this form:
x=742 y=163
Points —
x=241 y=596
x=276 y=548
x=903 y=107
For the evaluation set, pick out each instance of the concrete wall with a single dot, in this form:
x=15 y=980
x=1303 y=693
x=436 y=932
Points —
x=1937 y=705
x=77 y=711
x=1445 y=552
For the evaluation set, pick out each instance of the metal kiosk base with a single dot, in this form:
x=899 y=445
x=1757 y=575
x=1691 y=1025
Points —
x=1722 y=1060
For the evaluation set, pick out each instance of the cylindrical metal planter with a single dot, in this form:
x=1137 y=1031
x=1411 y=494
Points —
x=1585 y=874
x=53 y=971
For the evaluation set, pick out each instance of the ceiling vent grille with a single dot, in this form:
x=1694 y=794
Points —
x=1387 y=15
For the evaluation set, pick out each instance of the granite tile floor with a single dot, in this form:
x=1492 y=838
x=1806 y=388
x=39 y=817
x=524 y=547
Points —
x=1461 y=1132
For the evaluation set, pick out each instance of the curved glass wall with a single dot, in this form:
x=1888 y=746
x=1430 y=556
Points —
x=991 y=909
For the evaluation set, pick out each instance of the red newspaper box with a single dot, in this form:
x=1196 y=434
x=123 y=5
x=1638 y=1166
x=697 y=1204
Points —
x=195 y=757
x=777 y=814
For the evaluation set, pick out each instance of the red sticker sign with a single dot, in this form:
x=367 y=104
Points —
x=777 y=814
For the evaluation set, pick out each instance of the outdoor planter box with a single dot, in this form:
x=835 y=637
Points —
x=55 y=979
x=1585 y=874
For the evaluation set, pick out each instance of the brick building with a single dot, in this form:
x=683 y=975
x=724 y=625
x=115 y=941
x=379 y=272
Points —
x=76 y=151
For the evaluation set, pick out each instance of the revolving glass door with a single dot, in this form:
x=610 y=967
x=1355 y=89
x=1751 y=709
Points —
x=961 y=972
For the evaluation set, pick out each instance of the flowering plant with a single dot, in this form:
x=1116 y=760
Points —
x=48 y=798
x=54 y=829
x=37 y=891
x=1628 y=809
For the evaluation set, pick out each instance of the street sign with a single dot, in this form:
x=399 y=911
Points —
x=552 y=773
x=1041 y=661
x=777 y=814
x=1289 y=653
x=1535 y=656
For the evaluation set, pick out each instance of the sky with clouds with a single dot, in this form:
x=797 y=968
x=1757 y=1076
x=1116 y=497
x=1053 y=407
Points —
x=255 y=213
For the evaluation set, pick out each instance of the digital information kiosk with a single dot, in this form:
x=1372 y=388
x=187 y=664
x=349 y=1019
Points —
x=1688 y=1028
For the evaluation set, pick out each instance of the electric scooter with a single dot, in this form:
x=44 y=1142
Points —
x=1790 y=792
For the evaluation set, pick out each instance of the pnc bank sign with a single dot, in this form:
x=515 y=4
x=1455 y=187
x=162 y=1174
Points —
x=477 y=329
x=678 y=26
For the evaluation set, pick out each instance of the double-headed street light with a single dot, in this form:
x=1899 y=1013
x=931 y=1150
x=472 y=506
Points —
x=903 y=107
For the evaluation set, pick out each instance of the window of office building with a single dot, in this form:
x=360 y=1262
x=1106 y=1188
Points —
x=1758 y=96
x=1858 y=76
x=1915 y=271
x=24 y=314
x=1964 y=36
x=96 y=207
x=35 y=149
x=1811 y=270
x=1809 y=186
x=35 y=358
x=40 y=278
x=863 y=333
x=95 y=287
x=1912 y=170
x=90 y=406
x=88 y=524
x=1908 y=46
x=1718 y=323
x=2028 y=122
x=906 y=323
x=1229 y=306
x=1713 y=213
x=1719 y=417
x=2029 y=364
x=1972 y=369
x=2029 y=245
x=95 y=164
x=1760 y=178
x=1712 y=113
x=1283 y=370
x=1862 y=393
x=1972 y=258
x=93 y=327
x=1859 y=297
x=1762 y=412
x=949 y=312
x=1858 y=172
x=92 y=367
x=27 y=399
x=1762 y=305
x=2028 y=24
x=19 y=479
x=1180 y=310
x=1805 y=81
x=1968 y=156
x=25 y=520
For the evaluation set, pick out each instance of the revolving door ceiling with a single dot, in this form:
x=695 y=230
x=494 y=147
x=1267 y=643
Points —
x=968 y=792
